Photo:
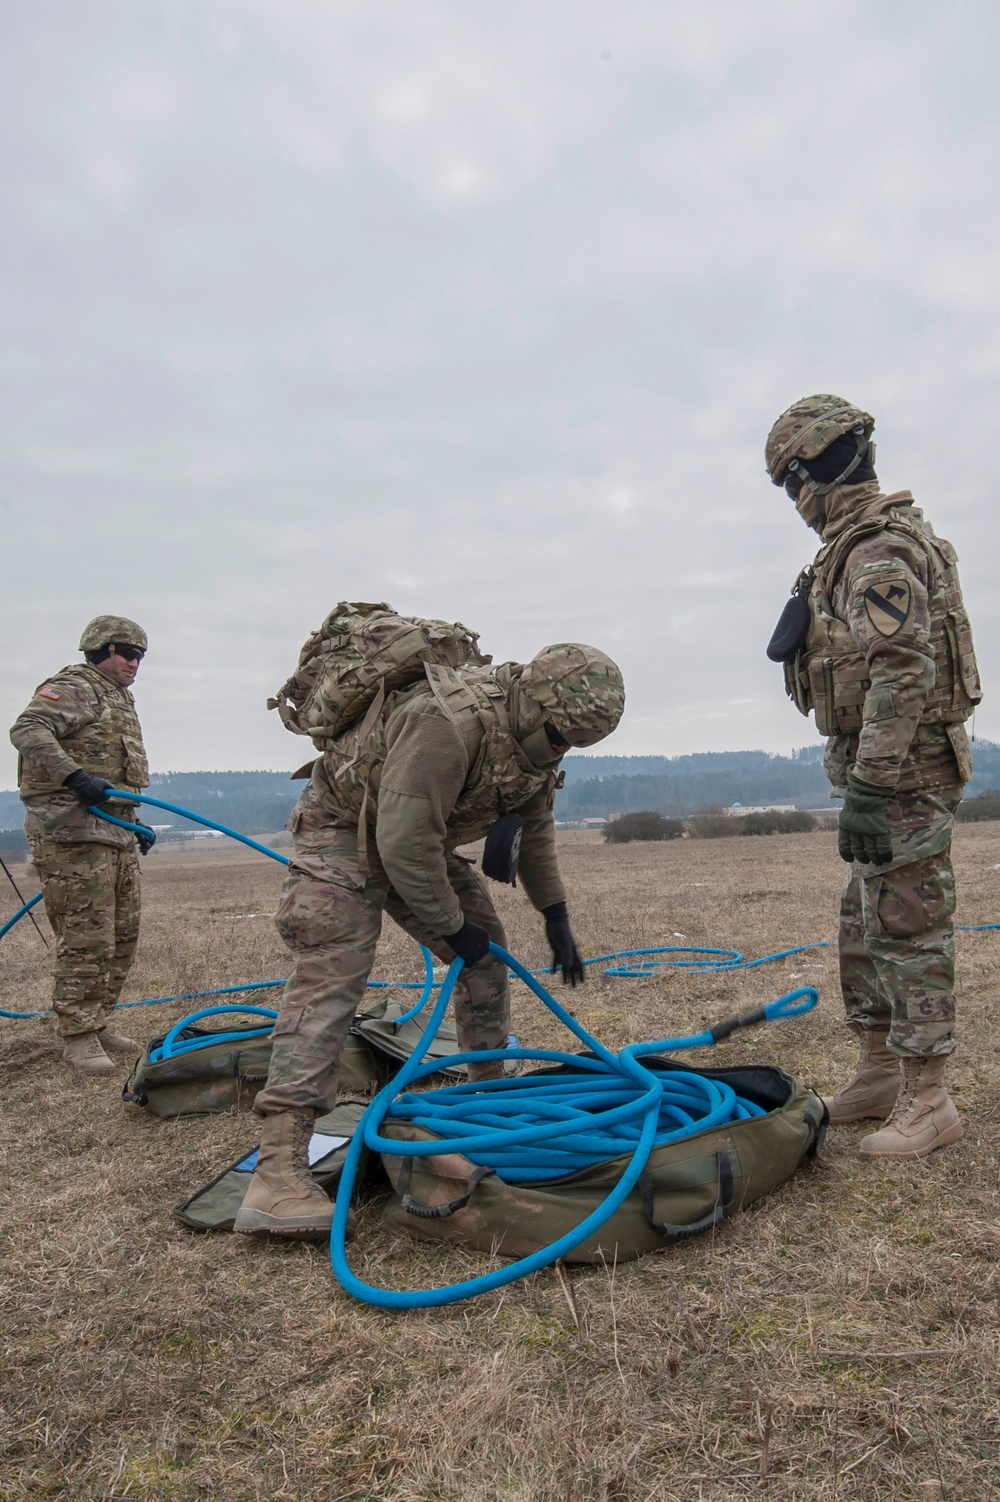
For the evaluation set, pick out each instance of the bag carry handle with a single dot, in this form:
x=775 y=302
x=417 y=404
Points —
x=433 y=1212
x=723 y=1205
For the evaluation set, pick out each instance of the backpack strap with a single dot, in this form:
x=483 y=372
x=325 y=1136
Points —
x=367 y=726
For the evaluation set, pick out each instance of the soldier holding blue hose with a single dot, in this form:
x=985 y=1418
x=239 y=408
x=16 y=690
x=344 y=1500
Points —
x=442 y=763
x=79 y=736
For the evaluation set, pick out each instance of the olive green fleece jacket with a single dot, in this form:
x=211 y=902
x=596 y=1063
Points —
x=430 y=763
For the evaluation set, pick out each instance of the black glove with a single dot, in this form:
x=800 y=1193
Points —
x=565 y=955
x=863 y=834
x=471 y=942
x=89 y=790
x=144 y=838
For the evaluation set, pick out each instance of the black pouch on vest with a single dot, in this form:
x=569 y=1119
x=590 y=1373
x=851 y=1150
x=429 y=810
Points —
x=791 y=631
x=502 y=848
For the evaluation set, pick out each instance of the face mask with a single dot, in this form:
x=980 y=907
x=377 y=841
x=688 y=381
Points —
x=539 y=750
x=812 y=509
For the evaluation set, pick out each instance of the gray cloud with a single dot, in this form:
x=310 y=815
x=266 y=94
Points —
x=440 y=304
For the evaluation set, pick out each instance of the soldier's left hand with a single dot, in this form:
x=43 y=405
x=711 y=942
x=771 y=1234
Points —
x=145 y=839
x=863 y=834
x=565 y=955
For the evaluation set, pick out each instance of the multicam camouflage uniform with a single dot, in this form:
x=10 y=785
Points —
x=378 y=827
x=889 y=669
x=88 y=869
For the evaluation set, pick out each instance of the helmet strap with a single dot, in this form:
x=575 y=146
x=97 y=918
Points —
x=818 y=491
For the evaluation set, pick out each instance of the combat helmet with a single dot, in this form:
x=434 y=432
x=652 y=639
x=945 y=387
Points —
x=805 y=431
x=579 y=688
x=104 y=629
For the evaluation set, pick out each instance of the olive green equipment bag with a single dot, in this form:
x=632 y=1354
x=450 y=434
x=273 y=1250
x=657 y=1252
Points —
x=687 y=1186
x=227 y=1075
x=214 y=1207
x=394 y=1041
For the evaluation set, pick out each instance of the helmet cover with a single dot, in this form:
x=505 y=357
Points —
x=579 y=689
x=105 y=629
x=808 y=427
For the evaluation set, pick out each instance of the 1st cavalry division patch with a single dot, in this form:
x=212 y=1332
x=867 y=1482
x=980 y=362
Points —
x=888 y=606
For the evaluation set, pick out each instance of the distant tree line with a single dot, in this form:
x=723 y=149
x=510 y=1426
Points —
x=596 y=786
x=607 y=786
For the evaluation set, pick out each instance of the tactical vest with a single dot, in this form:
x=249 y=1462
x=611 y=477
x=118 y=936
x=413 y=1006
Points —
x=829 y=674
x=110 y=746
x=501 y=776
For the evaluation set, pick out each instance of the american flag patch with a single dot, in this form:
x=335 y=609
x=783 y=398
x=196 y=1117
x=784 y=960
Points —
x=48 y=692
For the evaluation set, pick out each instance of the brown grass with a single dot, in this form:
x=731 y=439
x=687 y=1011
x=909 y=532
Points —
x=840 y=1340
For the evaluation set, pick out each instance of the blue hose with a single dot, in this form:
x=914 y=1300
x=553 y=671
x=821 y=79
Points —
x=185 y=813
x=173 y=1044
x=426 y=986
x=10 y=924
x=636 y=1105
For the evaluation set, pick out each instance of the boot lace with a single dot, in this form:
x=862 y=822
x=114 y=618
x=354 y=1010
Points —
x=302 y=1130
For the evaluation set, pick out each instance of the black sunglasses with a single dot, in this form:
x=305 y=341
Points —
x=126 y=650
x=556 y=741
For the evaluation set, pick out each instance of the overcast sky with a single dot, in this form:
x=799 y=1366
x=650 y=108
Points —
x=482 y=307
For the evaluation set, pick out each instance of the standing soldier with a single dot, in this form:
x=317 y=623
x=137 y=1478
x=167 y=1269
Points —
x=77 y=737
x=377 y=829
x=876 y=641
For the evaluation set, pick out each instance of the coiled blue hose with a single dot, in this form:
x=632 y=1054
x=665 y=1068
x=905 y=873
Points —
x=636 y=1109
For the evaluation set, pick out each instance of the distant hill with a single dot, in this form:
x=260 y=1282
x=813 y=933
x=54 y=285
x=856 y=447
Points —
x=260 y=802
x=678 y=785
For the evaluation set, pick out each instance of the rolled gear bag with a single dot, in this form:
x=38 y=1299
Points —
x=687 y=1186
x=228 y=1075
x=214 y=1207
x=395 y=1041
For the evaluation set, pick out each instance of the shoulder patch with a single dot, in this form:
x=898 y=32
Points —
x=48 y=692
x=888 y=606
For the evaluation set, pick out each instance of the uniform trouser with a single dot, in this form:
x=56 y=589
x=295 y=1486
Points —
x=897 y=940
x=330 y=917
x=91 y=895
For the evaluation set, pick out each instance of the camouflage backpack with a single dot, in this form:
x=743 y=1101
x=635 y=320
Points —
x=360 y=654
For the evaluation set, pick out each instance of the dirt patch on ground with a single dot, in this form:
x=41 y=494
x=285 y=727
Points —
x=839 y=1340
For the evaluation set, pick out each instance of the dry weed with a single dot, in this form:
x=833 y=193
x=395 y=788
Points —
x=839 y=1341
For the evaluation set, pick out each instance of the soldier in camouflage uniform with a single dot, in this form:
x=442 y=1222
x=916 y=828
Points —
x=377 y=829
x=77 y=737
x=876 y=642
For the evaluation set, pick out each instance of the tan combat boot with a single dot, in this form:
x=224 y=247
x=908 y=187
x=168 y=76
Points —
x=85 y=1053
x=118 y=1041
x=490 y=1069
x=283 y=1198
x=924 y=1117
x=109 y=1038
x=874 y=1085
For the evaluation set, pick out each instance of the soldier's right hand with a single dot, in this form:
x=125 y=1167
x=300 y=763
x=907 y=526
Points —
x=863 y=833
x=471 y=942
x=89 y=790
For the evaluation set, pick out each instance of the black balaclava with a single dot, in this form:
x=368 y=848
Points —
x=835 y=459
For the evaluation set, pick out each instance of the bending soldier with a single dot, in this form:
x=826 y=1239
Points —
x=377 y=829
x=876 y=642
x=78 y=736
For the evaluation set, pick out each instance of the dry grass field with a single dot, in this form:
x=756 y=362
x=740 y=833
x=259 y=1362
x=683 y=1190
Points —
x=839 y=1340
